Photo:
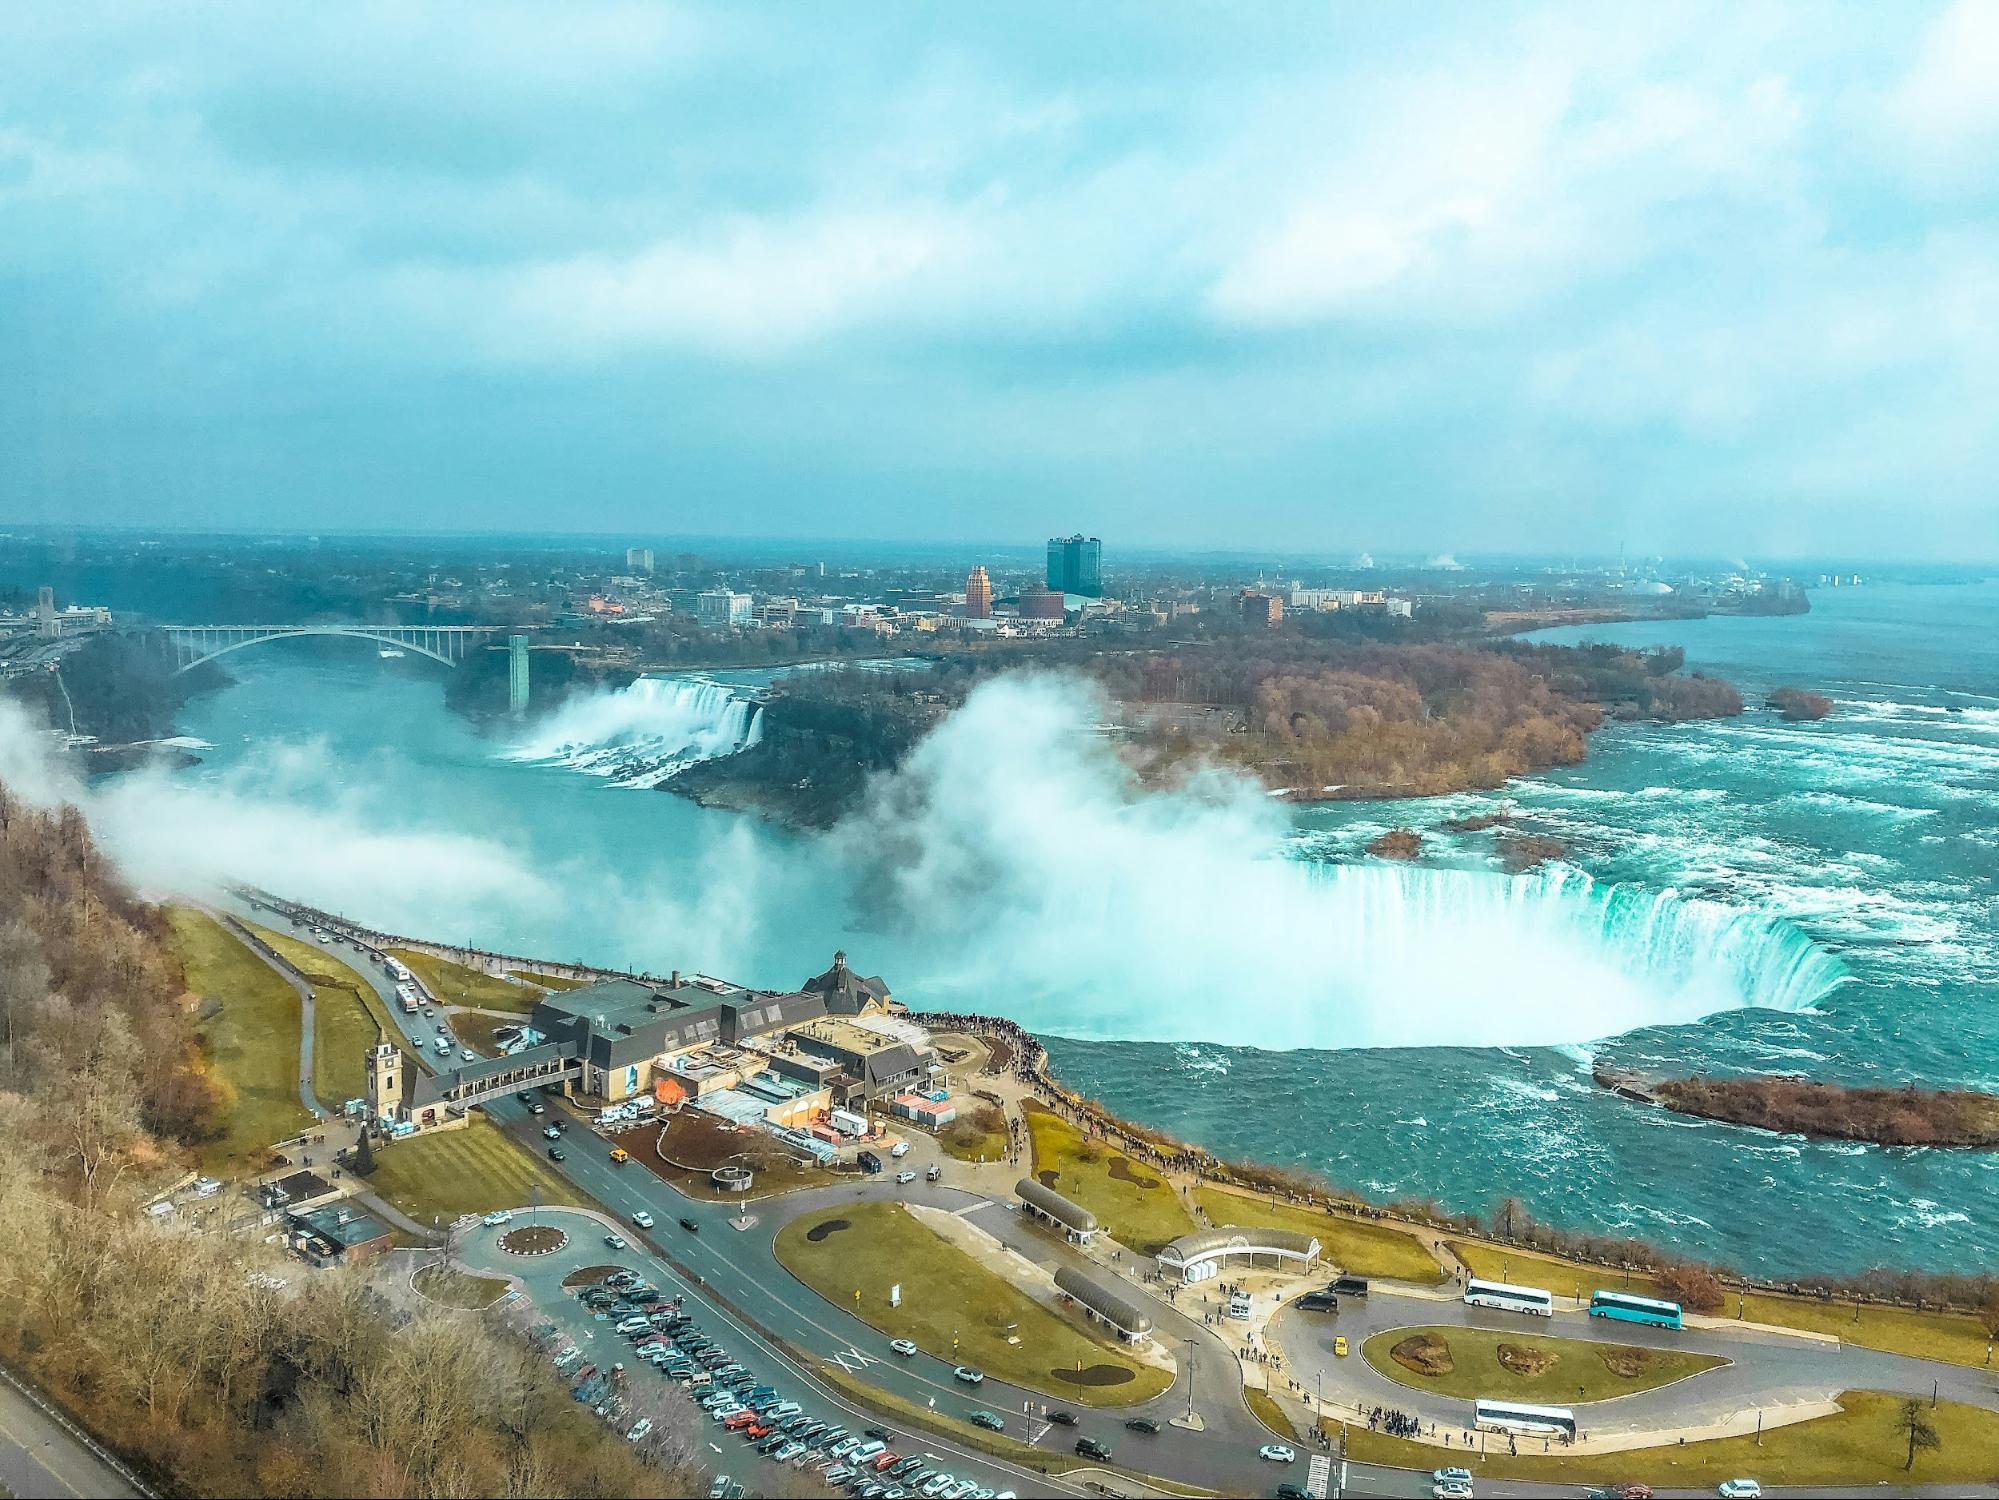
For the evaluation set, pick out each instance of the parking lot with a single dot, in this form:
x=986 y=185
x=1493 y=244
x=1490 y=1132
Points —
x=759 y=1411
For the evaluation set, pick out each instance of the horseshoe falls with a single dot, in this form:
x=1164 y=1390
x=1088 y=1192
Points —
x=639 y=735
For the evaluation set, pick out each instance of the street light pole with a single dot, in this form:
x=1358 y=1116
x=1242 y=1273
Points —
x=1190 y=1380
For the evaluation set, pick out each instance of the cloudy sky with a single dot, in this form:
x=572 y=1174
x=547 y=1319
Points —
x=1327 y=277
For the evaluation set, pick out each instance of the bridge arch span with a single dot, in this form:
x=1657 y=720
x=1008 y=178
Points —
x=447 y=645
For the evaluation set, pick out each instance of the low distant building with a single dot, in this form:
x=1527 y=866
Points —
x=723 y=609
x=1040 y=604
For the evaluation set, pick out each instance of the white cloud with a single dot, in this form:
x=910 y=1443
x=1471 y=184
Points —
x=1947 y=104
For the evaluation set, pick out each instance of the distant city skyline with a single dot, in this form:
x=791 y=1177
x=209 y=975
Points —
x=1510 y=278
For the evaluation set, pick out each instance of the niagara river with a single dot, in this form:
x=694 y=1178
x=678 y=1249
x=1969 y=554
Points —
x=1738 y=895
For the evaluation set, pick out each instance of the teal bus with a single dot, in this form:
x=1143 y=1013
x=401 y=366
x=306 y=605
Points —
x=1629 y=1309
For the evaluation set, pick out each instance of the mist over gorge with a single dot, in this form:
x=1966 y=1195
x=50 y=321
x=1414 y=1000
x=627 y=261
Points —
x=1014 y=863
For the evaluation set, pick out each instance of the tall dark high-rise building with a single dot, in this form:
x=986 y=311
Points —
x=1075 y=565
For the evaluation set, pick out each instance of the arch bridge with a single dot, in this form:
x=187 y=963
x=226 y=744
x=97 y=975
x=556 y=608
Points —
x=450 y=644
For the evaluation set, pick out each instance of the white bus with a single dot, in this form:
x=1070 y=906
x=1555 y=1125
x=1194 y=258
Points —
x=1525 y=1299
x=1512 y=1416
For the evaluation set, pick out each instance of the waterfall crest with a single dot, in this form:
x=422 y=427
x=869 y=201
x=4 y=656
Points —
x=640 y=735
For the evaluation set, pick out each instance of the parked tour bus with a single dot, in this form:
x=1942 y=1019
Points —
x=1514 y=1416
x=1626 y=1308
x=1526 y=1299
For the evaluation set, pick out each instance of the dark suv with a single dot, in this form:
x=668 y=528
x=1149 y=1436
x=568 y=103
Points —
x=1091 y=1448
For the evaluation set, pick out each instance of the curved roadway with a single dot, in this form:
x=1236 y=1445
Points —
x=737 y=1273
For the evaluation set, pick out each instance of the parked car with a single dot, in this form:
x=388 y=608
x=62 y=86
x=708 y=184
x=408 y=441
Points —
x=615 y=1241
x=1349 y=1286
x=1739 y=1489
x=639 y=1429
x=933 y=1174
x=905 y=1177
x=1450 y=1476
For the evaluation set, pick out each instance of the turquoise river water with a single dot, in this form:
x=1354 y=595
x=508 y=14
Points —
x=1740 y=895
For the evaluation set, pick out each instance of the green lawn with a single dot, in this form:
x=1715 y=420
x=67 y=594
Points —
x=1360 y=1247
x=947 y=1296
x=455 y=984
x=348 y=1016
x=1137 y=1206
x=1858 y=1445
x=469 y=1171
x=1957 y=1338
x=1264 y=1407
x=1578 y=1370
x=252 y=1044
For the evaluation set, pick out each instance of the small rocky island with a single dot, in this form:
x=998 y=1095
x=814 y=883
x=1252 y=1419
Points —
x=1906 y=1116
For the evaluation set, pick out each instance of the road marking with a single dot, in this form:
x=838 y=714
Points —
x=1318 y=1476
x=852 y=1360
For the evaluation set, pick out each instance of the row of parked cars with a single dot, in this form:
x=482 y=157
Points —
x=781 y=1430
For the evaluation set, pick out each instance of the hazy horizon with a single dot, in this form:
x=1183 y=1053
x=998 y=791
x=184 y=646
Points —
x=1519 y=279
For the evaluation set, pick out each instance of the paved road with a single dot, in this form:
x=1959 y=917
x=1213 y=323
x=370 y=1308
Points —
x=734 y=1271
x=41 y=1459
x=1766 y=1371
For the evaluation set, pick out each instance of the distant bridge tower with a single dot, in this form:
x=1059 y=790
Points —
x=517 y=675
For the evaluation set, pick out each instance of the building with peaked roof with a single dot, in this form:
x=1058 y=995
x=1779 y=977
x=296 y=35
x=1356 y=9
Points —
x=1123 y=1315
x=847 y=993
x=1076 y=1222
x=978 y=594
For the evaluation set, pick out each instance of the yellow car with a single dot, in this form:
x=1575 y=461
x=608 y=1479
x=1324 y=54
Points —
x=1340 y=1346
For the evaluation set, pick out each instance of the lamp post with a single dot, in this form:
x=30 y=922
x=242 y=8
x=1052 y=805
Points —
x=1190 y=1380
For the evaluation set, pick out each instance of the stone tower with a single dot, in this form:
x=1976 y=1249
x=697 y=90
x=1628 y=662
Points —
x=385 y=1079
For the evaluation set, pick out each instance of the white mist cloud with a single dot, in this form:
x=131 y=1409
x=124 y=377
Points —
x=1032 y=876
x=294 y=819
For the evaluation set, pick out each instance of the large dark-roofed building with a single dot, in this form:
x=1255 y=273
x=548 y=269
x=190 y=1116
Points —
x=847 y=993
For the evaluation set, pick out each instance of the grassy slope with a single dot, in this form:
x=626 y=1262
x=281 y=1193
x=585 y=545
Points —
x=945 y=1295
x=458 y=1288
x=1141 y=1217
x=1578 y=1374
x=455 y=984
x=1855 y=1446
x=252 y=1044
x=1354 y=1245
x=464 y=1171
x=348 y=1017
x=1954 y=1337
